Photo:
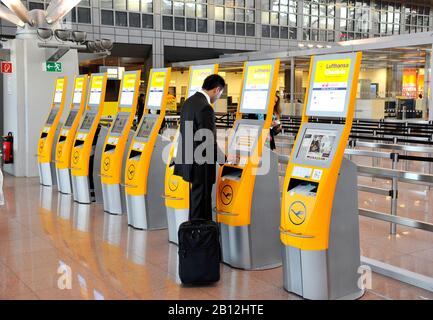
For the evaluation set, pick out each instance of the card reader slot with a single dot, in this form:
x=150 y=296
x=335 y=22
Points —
x=231 y=173
x=109 y=147
x=62 y=138
x=78 y=143
x=303 y=187
x=44 y=135
x=134 y=154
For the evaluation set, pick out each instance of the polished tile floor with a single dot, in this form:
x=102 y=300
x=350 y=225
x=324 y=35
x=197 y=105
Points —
x=44 y=237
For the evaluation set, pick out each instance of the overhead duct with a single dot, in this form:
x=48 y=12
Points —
x=60 y=10
x=9 y=16
x=17 y=7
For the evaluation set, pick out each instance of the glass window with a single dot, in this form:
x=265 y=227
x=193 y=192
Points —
x=83 y=15
x=202 y=25
x=190 y=9
x=219 y=13
x=265 y=17
x=121 y=19
x=219 y=27
x=274 y=18
x=240 y=14
x=283 y=19
x=134 y=20
x=251 y=30
x=190 y=25
x=293 y=33
x=134 y=5
x=284 y=9
x=240 y=29
x=249 y=3
x=147 y=6
x=179 y=23
x=275 y=32
x=35 y=5
x=230 y=28
x=284 y=32
x=167 y=23
x=107 y=4
x=230 y=14
x=147 y=21
x=240 y=3
x=107 y=17
x=201 y=11
x=230 y=3
x=120 y=4
x=249 y=16
x=166 y=7
x=178 y=8
x=266 y=31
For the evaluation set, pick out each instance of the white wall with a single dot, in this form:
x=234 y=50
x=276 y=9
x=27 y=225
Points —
x=27 y=100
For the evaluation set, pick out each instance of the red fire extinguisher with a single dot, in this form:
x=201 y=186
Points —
x=8 y=151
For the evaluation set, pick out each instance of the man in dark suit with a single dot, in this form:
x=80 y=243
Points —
x=197 y=146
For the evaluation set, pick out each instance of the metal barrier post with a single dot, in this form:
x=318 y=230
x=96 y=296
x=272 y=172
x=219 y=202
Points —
x=394 y=194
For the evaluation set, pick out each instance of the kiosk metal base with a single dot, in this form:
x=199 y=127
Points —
x=46 y=175
x=81 y=189
x=238 y=251
x=175 y=217
x=64 y=181
x=112 y=198
x=143 y=215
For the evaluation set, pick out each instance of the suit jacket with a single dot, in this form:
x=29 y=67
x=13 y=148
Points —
x=198 y=114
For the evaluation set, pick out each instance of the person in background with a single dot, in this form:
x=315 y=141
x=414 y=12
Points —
x=198 y=113
x=140 y=107
x=276 y=123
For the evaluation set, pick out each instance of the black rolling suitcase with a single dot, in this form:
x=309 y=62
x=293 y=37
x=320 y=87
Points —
x=199 y=252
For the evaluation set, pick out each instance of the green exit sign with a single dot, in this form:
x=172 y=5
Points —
x=52 y=66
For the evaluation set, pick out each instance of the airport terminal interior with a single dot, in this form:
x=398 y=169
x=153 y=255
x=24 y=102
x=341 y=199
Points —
x=325 y=121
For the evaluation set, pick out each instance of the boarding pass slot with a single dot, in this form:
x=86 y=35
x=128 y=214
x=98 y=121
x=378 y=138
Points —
x=134 y=154
x=303 y=187
x=44 y=135
x=109 y=147
x=78 y=143
x=62 y=138
x=231 y=173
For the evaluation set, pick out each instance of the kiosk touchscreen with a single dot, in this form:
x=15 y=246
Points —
x=248 y=201
x=114 y=153
x=67 y=135
x=145 y=165
x=176 y=191
x=50 y=131
x=319 y=214
x=83 y=148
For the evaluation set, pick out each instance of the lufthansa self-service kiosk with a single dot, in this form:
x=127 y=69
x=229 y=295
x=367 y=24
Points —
x=46 y=156
x=319 y=215
x=83 y=150
x=67 y=135
x=248 y=199
x=145 y=166
x=114 y=153
x=176 y=192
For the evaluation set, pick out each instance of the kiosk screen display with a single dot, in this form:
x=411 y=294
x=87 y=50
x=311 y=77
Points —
x=58 y=97
x=146 y=127
x=245 y=138
x=317 y=144
x=88 y=121
x=127 y=98
x=119 y=124
x=95 y=97
x=71 y=118
x=77 y=97
x=155 y=98
x=52 y=116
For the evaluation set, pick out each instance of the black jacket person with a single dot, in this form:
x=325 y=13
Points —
x=197 y=146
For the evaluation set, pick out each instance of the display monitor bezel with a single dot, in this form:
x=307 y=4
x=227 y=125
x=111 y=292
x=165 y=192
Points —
x=257 y=63
x=71 y=112
x=240 y=123
x=300 y=157
x=154 y=117
x=84 y=118
x=51 y=118
x=343 y=113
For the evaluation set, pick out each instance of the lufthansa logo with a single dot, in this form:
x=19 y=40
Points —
x=173 y=183
x=41 y=146
x=106 y=164
x=131 y=172
x=227 y=195
x=76 y=157
x=59 y=151
x=297 y=213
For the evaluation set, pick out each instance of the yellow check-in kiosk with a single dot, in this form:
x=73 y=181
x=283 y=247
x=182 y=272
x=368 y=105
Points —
x=248 y=199
x=67 y=135
x=113 y=154
x=46 y=156
x=83 y=150
x=319 y=215
x=145 y=166
x=176 y=191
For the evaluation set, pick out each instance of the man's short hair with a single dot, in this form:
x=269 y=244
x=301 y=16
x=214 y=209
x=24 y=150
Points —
x=213 y=81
